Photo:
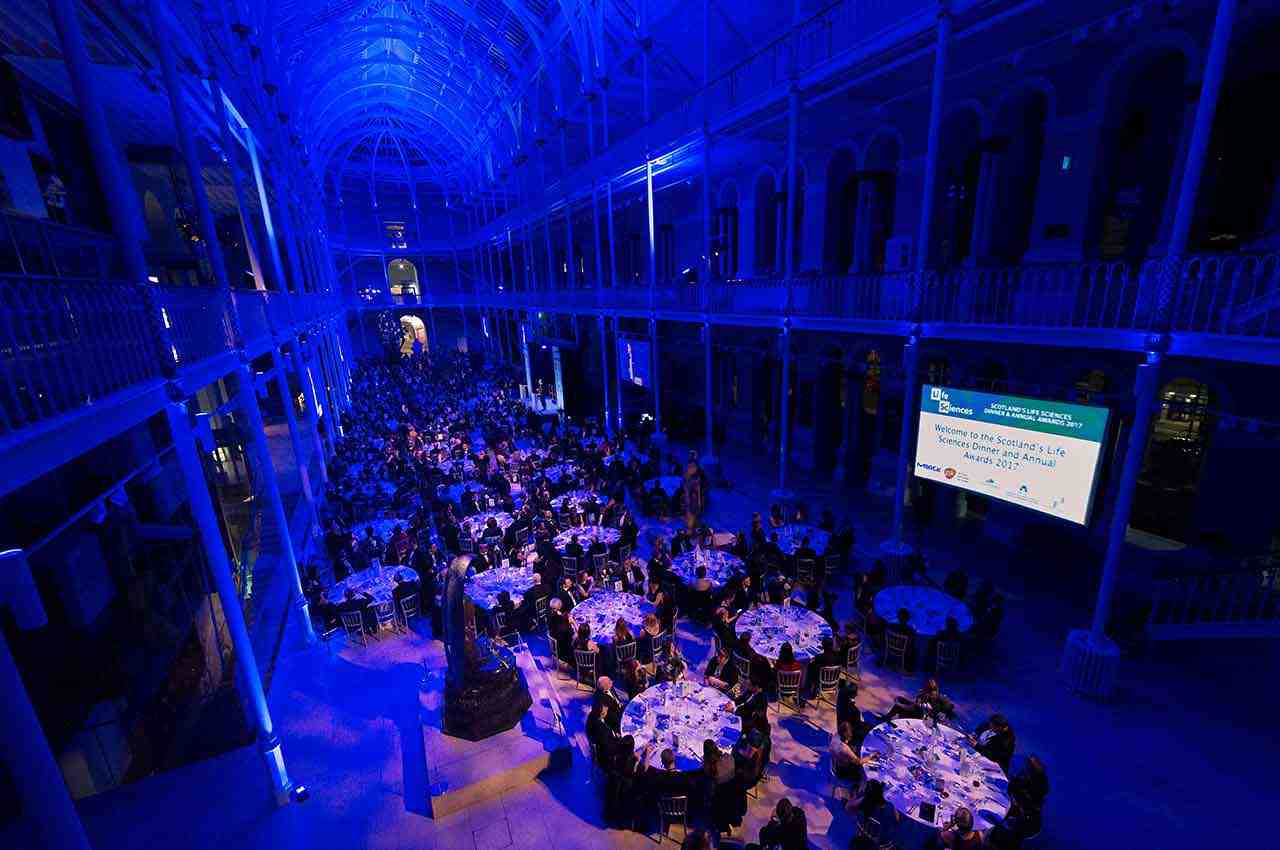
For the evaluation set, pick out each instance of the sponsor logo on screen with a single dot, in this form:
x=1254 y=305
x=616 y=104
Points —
x=949 y=472
x=929 y=466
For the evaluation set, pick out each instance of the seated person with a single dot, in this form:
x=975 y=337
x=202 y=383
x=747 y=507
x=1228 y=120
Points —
x=602 y=733
x=559 y=627
x=402 y=587
x=959 y=833
x=363 y=604
x=878 y=820
x=721 y=673
x=635 y=678
x=994 y=739
x=903 y=627
x=606 y=693
x=788 y=829
x=829 y=656
x=847 y=764
x=667 y=781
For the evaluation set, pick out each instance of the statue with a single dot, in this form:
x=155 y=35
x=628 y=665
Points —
x=485 y=692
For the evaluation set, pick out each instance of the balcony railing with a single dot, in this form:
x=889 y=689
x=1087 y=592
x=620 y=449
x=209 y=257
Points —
x=66 y=343
x=1240 y=602
x=1236 y=295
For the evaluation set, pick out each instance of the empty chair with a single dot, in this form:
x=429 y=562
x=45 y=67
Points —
x=896 y=645
x=789 y=687
x=465 y=543
x=743 y=665
x=555 y=657
x=386 y=614
x=570 y=565
x=806 y=571
x=502 y=631
x=947 y=656
x=853 y=659
x=832 y=563
x=585 y=662
x=672 y=810
x=600 y=564
x=828 y=684
x=353 y=625
x=408 y=608
x=540 y=611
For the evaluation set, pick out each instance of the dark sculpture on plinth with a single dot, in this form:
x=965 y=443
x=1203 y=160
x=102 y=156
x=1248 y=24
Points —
x=485 y=693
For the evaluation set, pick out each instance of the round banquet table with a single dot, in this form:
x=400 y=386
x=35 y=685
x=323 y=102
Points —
x=722 y=567
x=789 y=537
x=560 y=470
x=573 y=498
x=929 y=608
x=602 y=609
x=588 y=534
x=688 y=710
x=382 y=528
x=450 y=467
x=483 y=588
x=378 y=583
x=773 y=625
x=669 y=484
x=474 y=525
x=917 y=764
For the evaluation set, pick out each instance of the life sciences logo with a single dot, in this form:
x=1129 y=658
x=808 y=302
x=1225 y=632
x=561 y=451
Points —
x=943 y=399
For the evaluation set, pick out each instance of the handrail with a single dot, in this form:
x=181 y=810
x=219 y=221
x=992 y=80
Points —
x=67 y=343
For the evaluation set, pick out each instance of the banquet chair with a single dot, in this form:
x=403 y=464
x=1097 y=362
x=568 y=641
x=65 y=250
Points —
x=828 y=684
x=353 y=625
x=408 y=608
x=947 y=656
x=540 y=611
x=386 y=615
x=859 y=621
x=831 y=561
x=465 y=544
x=789 y=687
x=672 y=810
x=743 y=665
x=600 y=564
x=853 y=660
x=896 y=645
x=626 y=652
x=585 y=662
x=504 y=633
x=806 y=571
x=838 y=783
x=871 y=831
x=624 y=552
x=662 y=647
x=559 y=665
x=569 y=564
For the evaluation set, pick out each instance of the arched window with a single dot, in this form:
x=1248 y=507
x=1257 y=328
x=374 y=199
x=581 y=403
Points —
x=403 y=277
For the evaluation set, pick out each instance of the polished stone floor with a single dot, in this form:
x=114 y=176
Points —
x=1181 y=758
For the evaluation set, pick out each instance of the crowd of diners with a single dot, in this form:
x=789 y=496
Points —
x=430 y=442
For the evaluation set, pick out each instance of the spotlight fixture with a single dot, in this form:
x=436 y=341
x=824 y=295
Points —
x=300 y=794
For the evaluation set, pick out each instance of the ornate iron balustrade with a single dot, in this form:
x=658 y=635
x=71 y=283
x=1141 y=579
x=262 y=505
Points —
x=65 y=344
x=1243 y=600
x=1231 y=294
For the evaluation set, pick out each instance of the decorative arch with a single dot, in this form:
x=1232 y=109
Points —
x=840 y=218
x=765 y=194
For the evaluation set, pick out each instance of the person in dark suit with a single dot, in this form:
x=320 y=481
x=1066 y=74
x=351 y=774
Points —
x=569 y=594
x=605 y=692
x=751 y=700
x=721 y=672
x=559 y=627
x=574 y=549
x=994 y=739
x=602 y=732
x=788 y=829
x=903 y=627
x=402 y=588
x=667 y=781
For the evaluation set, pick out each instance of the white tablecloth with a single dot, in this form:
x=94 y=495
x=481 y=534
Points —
x=721 y=566
x=587 y=534
x=450 y=467
x=483 y=589
x=602 y=609
x=573 y=498
x=929 y=608
x=371 y=581
x=382 y=528
x=917 y=764
x=690 y=711
x=560 y=470
x=474 y=524
x=773 y=625
x=789 y=537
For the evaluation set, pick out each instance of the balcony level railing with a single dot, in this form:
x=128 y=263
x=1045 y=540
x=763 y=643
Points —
x=1230 y=294
x=66 y=344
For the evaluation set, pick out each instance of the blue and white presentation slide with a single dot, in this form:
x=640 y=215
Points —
x=1039 y=454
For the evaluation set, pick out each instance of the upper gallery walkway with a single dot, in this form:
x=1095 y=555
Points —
x=1218 y=306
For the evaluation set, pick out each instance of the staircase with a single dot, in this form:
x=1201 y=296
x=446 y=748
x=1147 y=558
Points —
x=1239 y=603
